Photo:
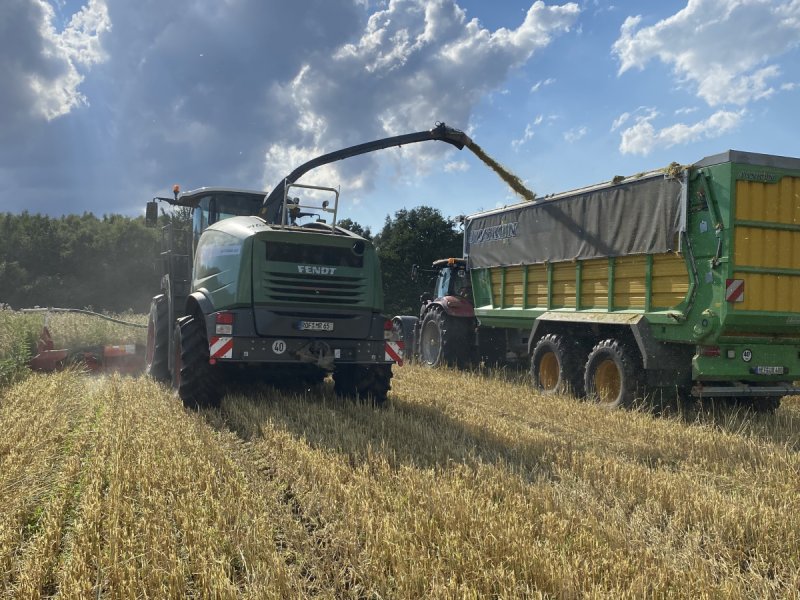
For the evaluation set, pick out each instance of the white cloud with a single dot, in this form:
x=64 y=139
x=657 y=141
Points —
x=41 y=72
x=642 y=138
x=527 y=135
x=456 y=166
x=542 y=83
x=723 y=48
x=789 y=86
x=686 y=110
x=415 y=62
x=529 y=132
x=576 y=133
x=238 y=92
x=620 y=121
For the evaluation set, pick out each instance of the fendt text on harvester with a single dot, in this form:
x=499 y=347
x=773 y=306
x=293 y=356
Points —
x=685 y=279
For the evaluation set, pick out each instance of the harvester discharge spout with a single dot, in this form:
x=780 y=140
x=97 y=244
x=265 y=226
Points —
x=271 y=210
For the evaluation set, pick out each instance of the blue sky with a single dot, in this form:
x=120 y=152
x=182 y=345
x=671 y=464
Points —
x=106 y=103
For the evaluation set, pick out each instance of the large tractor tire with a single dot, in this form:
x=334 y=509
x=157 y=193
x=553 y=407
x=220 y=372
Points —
x=156 y=358
x=363 y=381
x=196 y=381
x=445 y=340
x=557 y=365
x=612 y=377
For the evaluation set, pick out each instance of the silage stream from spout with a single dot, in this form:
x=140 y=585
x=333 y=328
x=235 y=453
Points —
x=514 y=182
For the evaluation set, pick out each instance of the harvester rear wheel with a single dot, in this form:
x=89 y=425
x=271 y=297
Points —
x=444 y=340
x=612 y=375
x=195 y=380
x=556 y=365
x=157 y=350
x=363 y=381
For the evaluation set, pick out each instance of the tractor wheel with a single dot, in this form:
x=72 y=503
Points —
x=612 y=375
x=364 y=381
x=157 y=350
x=557 y=365
x=403 y=329
x=195 y=380
x=444 y=340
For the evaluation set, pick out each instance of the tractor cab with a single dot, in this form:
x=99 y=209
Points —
x=452 y=278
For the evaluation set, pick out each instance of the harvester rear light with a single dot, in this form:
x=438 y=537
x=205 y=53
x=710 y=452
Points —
x=224 y=325
x=388 y=329
x=710 y=351
x=225 y=318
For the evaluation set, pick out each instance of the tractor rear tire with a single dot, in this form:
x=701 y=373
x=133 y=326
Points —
x=557 y=366
x=613 y=375
x=445 y=340
x=363 y=381
x=197 y=383
x=157 y=350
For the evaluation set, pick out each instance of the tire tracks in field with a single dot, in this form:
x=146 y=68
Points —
x=299 y=537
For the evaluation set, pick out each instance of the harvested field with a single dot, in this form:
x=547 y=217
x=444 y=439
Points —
x=466 y=485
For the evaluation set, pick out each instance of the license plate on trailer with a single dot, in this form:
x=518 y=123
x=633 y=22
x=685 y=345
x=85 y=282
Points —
x=770 y=370
x=316 y=326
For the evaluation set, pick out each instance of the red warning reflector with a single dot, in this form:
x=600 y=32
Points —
x=734 y=290
x=220 y=347
x=393 y=351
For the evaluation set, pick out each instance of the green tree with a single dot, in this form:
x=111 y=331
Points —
x=77 y=261
x=417 y=236
x=356 y=228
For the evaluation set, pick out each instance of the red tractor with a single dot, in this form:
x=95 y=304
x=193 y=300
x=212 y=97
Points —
x=444 y=332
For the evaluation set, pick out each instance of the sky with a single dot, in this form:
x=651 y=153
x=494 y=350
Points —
x=105 y=104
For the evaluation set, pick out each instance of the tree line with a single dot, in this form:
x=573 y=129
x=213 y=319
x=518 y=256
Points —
x=109 y=263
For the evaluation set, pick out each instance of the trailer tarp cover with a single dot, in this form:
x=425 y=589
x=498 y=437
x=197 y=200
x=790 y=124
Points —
x=640 y=217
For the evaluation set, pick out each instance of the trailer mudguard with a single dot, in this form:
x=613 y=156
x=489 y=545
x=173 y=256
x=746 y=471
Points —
x=655 y=355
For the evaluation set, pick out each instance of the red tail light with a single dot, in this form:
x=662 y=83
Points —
x=224 y=318
x=224 y=324
x=710 y=351
x=388 y=325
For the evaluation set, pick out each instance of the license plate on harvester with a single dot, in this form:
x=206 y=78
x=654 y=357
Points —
x=316 y=326
x=770 y=370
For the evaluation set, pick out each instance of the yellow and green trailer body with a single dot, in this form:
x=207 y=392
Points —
x=696 y=269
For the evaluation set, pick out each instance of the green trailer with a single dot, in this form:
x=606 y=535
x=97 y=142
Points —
x=686 y=278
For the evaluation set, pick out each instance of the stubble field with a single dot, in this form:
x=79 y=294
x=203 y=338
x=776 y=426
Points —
x=466 y=485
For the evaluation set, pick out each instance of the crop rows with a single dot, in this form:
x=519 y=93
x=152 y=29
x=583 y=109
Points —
x=467 y=485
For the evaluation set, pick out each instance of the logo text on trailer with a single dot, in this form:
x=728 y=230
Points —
x=493 y=233
x=315 y=270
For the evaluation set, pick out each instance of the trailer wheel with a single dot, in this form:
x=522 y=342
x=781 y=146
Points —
x=612 y=375
x=444 y=340
x=195 y=380
x=556 y=365
x=157 y=350
x=363 y=381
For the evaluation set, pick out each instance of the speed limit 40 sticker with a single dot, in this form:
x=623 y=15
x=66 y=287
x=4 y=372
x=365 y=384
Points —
x=279 y=346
